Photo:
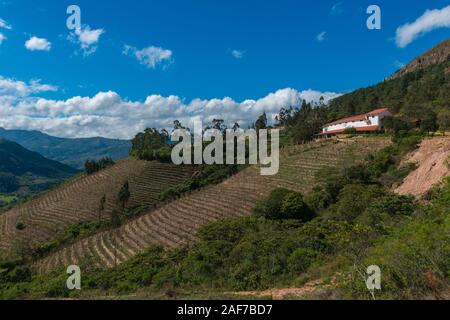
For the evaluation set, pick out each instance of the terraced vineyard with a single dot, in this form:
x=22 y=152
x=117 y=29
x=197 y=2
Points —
x=177 y=223
x=78 y=200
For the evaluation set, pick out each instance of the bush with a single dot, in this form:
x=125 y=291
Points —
x=293 y=206
x=92 y=166
x=352 y=201
x=301 y=259
x=350 y=131
x=20 y=226
x=283 y=204
x=385 y=212
x=206 y=175
x=164 y=155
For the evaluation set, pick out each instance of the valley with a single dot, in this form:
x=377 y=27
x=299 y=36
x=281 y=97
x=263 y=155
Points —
x=145 y=227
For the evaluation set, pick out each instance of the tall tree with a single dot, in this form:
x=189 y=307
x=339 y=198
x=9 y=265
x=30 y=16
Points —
x=261 y=122
x=101 y=208
x=124 y=195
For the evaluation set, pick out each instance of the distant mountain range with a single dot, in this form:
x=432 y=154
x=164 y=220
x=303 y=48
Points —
x=72 y=152
x=24 y=172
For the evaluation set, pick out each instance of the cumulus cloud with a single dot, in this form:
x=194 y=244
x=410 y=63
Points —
x=17 y=89
x=150 y=56
x=238 y=54
x=321 y=36
x=4 y=24
x=87 y=39
x=107 y=114
x=38 y=44
x=430 y=20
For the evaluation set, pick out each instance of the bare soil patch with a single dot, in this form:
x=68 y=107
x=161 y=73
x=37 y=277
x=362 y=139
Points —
x=432 y=159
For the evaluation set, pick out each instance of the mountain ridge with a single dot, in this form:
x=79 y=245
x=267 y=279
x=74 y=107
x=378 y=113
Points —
x=435 y=55
x=72 y=152
x=24 y=172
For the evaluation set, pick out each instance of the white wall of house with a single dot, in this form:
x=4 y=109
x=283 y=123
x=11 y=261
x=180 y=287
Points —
x=371 y=121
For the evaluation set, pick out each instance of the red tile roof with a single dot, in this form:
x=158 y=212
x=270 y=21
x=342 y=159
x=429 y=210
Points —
x=359 y=117
x=359 y=129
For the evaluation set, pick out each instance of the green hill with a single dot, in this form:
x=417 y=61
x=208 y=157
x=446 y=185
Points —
x=73 y=152
x=24 y=172
x=425 y=82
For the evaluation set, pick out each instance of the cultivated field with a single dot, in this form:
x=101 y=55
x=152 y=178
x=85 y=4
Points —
x=78 y=200
x=177 y=223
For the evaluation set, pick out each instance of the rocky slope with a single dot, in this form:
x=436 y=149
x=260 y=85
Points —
x=436 y=55
x=432 y=159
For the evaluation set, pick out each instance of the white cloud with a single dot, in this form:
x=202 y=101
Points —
x=321 y=36
x=336 y=9
x=109 y=115
x=430 y=20
x=4 y=24
x=18 y=89
x=87 y=38
x=150 y=56
x=38 y=44
x=238 y=54
x=2 y=38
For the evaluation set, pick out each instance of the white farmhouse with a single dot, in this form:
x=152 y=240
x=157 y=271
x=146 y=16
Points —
x=364 y=123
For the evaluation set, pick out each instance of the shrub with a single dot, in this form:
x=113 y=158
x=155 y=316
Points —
x=283 y=204
x=205 y=175
x=301 y=259
x=293 y=206
x=350 y=131
x=92 y=166
x=20 y=226
x=352 y=201
x=385 y=212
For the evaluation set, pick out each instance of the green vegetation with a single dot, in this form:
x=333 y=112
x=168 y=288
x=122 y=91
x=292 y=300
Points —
x=7 y=199
x=26 y=173
x=358 y=222
x=350 y=131
x=92 y=166
x=8 y=183
x=18 y=161
x=205 y=175
x=72 y=152
x=284 y=204
x=422 y=89
x=152 y=145
x=350 y=220
x=420 y=101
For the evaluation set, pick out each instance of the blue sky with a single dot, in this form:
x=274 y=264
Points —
x=207 y=50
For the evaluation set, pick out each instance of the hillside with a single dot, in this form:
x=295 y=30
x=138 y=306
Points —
x=177 y=223
x=435 y=55
x=19 y=161
x=23 y=171
x=433 y=164
x=49 y=215
x=424 y=83
x=73 y=152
